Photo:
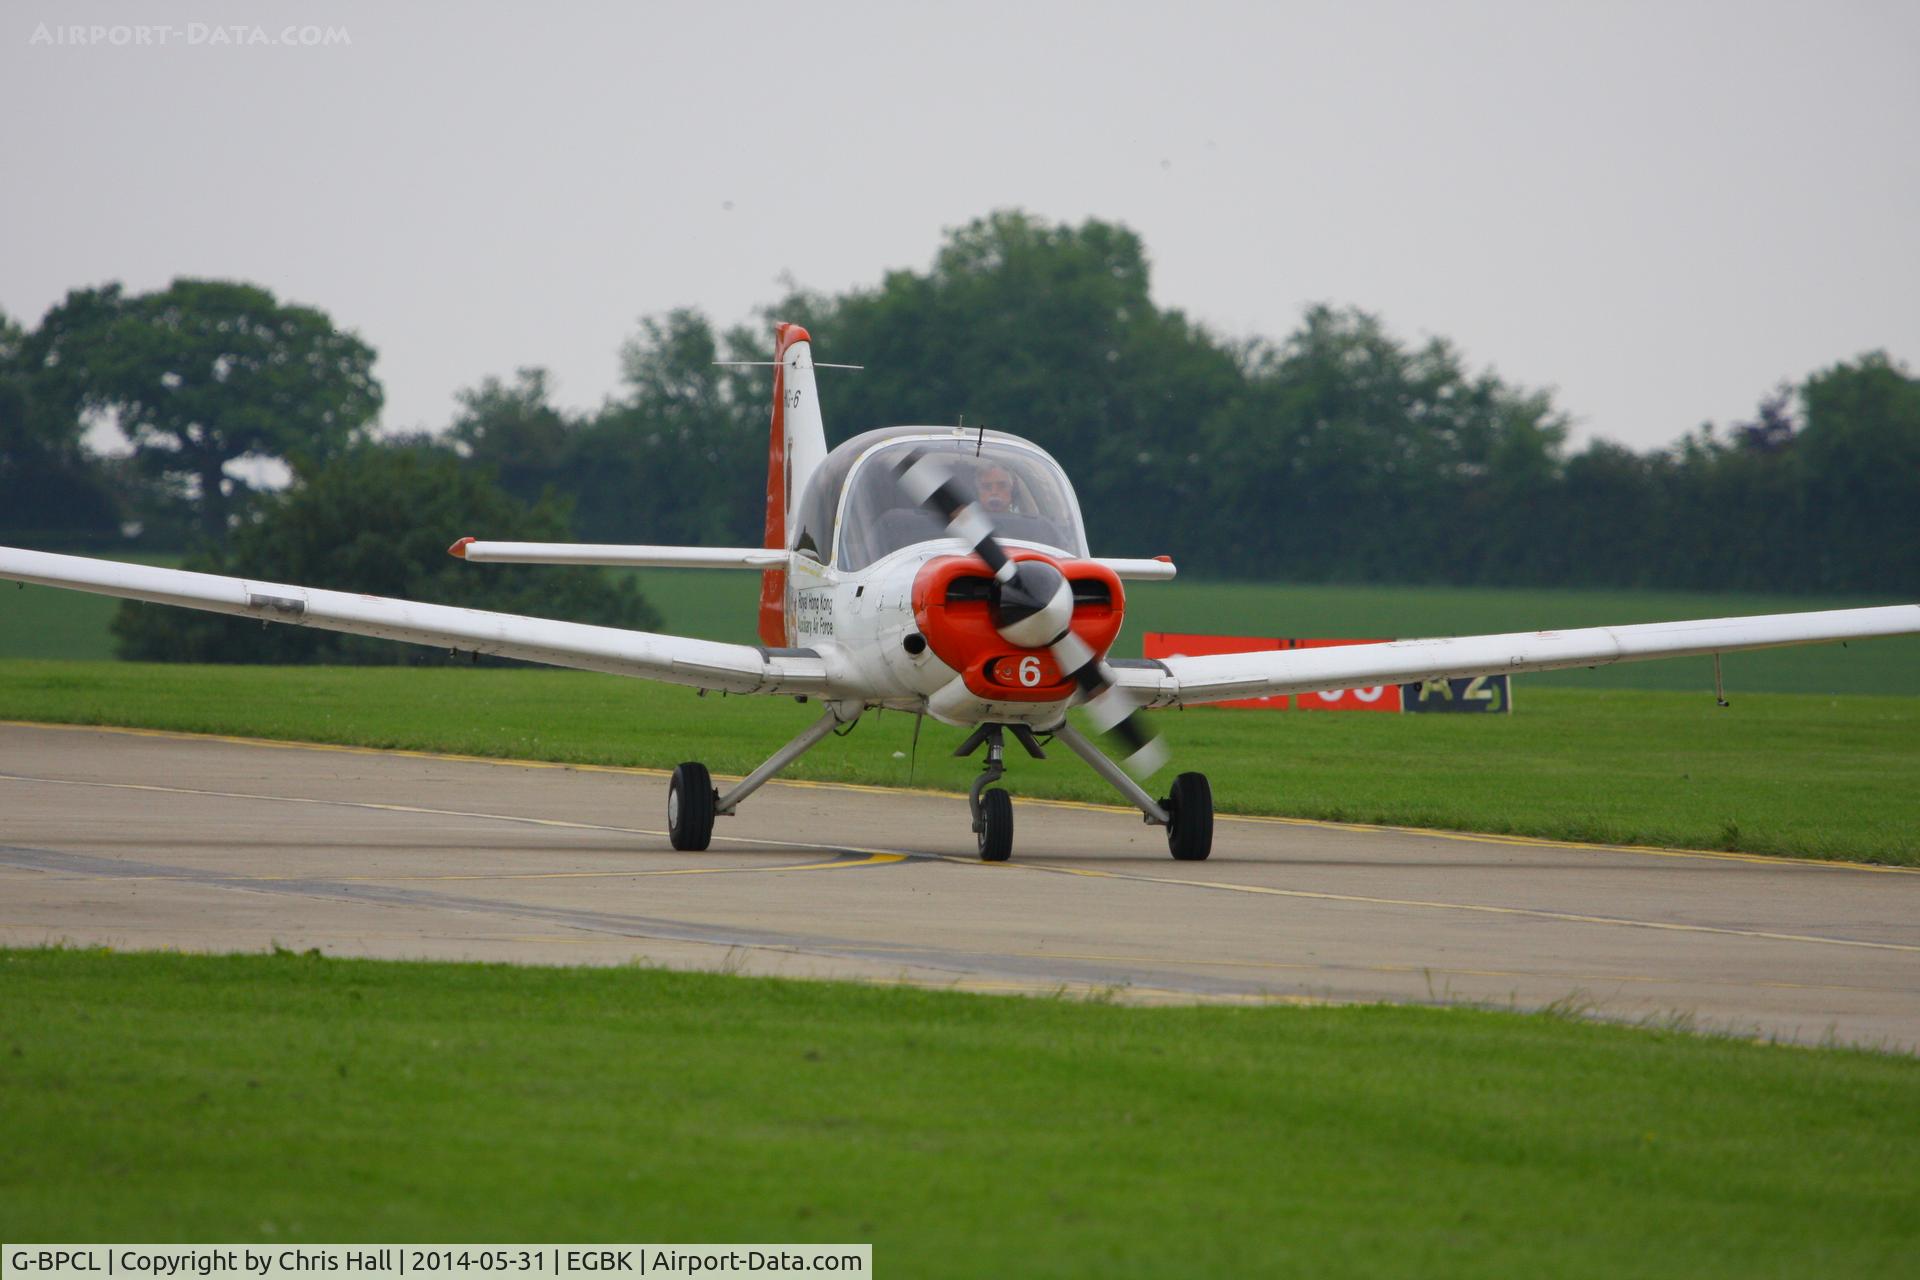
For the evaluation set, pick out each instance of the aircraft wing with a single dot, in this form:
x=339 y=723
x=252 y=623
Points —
x=706 y=664
x=1180 y=681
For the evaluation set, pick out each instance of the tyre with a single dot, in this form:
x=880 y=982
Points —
x=996 y=826
x=1190 y=834
x=690 y=799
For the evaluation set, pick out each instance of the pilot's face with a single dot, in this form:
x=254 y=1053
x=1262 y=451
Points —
x=995 y=488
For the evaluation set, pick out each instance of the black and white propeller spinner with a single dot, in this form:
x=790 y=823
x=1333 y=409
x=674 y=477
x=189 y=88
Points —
x=1031 y=604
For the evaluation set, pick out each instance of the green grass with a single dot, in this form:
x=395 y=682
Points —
x=1827 y=777
x=42 y=622
x=288 y=1097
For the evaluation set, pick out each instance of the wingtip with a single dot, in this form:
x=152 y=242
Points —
x=459 y=549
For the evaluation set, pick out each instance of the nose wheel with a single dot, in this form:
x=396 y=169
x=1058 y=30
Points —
x=994 y=826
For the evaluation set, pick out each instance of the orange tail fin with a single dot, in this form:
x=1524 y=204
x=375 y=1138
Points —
x=796 y=445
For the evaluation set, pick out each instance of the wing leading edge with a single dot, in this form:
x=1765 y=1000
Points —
x=706 y=664
x=1222 y=677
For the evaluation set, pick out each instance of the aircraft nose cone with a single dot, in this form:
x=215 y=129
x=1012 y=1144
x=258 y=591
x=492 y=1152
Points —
x=1034 y=607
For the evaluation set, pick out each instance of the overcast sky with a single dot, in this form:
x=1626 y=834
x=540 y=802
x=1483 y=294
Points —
x=1660 y=211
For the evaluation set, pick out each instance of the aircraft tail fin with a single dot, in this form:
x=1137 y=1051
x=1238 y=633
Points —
x=797 y=444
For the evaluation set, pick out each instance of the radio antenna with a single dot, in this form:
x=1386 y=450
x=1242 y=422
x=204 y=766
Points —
x=774 y=364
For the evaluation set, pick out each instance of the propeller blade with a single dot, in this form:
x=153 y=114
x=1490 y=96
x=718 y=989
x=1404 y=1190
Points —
x=1115 y=713
x=1032 y=605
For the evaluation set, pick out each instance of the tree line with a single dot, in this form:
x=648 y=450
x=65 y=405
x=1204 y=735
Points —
x=1338 y=452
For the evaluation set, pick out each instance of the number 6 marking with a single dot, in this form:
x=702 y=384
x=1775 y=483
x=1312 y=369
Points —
x=1029 y=671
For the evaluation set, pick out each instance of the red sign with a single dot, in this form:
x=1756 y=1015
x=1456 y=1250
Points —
x=1377 y=698
x=1174 y=644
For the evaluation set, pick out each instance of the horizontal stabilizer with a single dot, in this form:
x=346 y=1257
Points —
x=614 y=554
x=1158 y=569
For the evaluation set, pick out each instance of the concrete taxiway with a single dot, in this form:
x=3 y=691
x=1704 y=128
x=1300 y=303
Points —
x=144 y=840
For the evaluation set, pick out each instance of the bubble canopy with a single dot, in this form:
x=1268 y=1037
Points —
x=855 y=495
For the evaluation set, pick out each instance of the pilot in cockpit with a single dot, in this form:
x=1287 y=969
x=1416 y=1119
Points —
x=1016 y=495
x=993 y=487
x=1005 y=501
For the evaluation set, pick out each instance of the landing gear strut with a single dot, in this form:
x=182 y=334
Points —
x=693 y=804
x=1187 y=813
x=993 y=809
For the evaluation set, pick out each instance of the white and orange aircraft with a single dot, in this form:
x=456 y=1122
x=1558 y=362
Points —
x=933 y=570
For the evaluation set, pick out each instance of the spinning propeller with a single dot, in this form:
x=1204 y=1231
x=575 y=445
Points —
x=1031 y=604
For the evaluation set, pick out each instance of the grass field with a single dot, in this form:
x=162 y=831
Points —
x=1776 y=773
x=290 y=1098
x=41 y=622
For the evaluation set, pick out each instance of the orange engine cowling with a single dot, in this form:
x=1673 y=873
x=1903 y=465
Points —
x=950 y=595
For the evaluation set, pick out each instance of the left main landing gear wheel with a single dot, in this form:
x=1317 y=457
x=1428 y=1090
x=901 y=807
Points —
x=1190 y=834
x=690 y=805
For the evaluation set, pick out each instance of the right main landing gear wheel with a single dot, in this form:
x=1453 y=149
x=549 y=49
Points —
x=690 y=800
x=996 y=826
x=1190 y=834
